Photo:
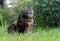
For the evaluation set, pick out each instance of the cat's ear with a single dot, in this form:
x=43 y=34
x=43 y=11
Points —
x=26 y=8
x=32 y=10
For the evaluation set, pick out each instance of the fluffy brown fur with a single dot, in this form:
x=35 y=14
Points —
x=24 y=22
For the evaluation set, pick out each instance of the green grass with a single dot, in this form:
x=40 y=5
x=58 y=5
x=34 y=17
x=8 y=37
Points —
x=39 y=34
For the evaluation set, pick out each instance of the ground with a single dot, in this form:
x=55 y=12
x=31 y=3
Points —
x=39 y=34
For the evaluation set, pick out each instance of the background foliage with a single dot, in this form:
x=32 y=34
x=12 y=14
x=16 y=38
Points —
x=47 y=13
